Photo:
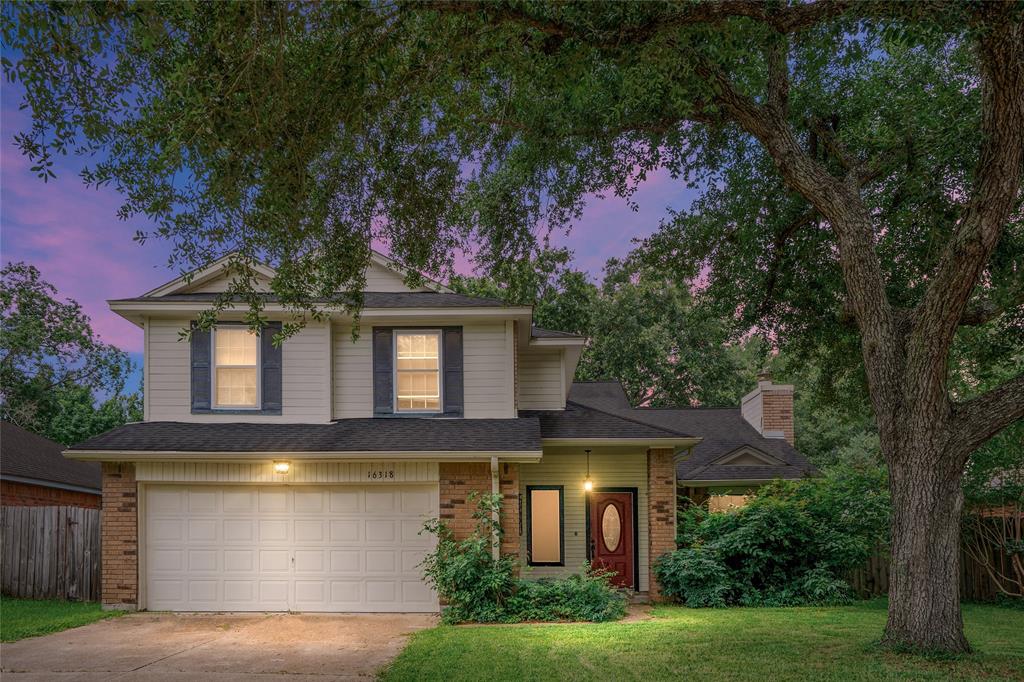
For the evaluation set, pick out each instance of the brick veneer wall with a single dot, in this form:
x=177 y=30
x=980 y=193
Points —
x=18 y=494
x=458 y=480
x=661 y=500
x=508 y=479
x=120 y=536
x=777 y=406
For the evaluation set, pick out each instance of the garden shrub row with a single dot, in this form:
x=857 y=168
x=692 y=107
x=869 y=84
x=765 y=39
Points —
x=793 y=543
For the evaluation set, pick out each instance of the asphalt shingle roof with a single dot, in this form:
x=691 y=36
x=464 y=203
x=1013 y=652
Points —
x=724 y=430
x=28 y=455
x=346 y=435
x=582 y=421
x=371 y=299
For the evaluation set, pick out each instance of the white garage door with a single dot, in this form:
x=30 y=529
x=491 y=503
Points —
x=275 y=548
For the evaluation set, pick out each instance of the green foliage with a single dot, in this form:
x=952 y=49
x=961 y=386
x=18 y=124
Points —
x=643 y=329
x=21 y=618
x=479 y=588
x=53 y=366
x=793 y=543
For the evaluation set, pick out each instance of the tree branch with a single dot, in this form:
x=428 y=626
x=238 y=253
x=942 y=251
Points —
x=986 y=311
x=977 y=420
x=999 y=175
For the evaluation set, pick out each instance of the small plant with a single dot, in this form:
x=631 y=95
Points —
x=477 y=587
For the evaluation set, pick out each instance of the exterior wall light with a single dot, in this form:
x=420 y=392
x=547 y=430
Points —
x=282 y=467
x=588 y=485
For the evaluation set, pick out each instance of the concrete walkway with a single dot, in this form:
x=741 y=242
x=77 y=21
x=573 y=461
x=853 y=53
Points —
x=216 y=646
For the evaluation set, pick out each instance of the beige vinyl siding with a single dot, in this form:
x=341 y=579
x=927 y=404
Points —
x=379 y=278
x=486 y=356
x=220 y=284
x=305 y=375
x=353 y=372
x=300 y=472
x=487 y=370
x=568 y=468
x=541 y=380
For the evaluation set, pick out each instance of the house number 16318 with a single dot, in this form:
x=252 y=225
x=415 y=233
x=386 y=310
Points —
x=380 y=474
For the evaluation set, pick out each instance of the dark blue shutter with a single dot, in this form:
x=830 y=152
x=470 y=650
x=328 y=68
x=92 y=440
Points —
x=200 y=354
x=270 y=361
x=383 y=378
x=452 y=358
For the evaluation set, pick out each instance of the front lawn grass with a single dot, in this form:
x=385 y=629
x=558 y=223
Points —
x=21 y=618
x=810 y=643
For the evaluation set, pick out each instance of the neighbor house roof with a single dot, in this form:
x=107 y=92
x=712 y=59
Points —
x=370 y=435
x=724 y=433
x=30 y=458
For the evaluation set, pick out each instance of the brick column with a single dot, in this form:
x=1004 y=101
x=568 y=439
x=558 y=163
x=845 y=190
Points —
x=661 y=500
x=457 y=480
x=508 y=477
x=119 y=528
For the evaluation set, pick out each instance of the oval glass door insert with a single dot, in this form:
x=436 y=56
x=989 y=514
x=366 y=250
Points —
x=611 y=527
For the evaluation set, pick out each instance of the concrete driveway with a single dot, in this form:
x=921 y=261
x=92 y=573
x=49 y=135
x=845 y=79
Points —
x=218 y=646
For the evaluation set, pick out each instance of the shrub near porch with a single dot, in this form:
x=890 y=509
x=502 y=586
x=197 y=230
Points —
x=794 y=543
x=478 y=587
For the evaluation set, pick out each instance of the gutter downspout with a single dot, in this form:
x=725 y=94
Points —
x=495 y=516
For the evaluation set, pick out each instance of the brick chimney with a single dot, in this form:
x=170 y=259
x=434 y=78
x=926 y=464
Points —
x=769 y=408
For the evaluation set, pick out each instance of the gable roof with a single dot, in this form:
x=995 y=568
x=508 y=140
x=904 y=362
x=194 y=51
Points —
x=31 y=458
x=186 y=282
x=723 y=431
x=579 y=422
x=371 y=299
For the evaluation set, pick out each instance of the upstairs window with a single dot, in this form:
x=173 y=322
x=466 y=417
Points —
x=236 y=363
x=417 y=371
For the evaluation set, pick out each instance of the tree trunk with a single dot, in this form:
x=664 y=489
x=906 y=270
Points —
x=924 y=587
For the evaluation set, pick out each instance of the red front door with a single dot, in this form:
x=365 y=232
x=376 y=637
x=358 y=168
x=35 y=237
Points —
x=611 y=535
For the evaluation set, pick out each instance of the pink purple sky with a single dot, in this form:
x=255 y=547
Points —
x=72 y=234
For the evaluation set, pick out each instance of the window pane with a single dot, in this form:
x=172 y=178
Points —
x=545 y=527
x=236 y=386
x=417 y=364
x=235 y=346
x=417 y=351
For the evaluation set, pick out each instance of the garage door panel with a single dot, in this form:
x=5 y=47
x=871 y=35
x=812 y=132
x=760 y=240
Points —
x=380 y=531
x=273 y=499
x=238 y=530
x=345 y=530
x=259 y=548
x=309 y=530
x=273 y=530
x=239 y=560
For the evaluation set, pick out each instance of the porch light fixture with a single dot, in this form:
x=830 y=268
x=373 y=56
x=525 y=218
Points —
x=282 y=467
x=588 y=485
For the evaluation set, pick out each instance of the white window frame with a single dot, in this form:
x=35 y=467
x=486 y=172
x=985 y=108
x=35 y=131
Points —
x=213 y=372
x=440 y=370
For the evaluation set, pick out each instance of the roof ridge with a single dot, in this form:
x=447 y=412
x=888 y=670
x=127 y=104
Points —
x=629 y=419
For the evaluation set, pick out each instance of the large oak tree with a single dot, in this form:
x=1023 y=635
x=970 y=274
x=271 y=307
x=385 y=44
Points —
x=888 y=140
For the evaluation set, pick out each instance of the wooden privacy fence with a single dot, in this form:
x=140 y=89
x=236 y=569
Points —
x=50 y=553
x=872 y=579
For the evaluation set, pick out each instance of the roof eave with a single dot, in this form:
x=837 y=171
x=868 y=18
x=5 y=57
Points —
x=673 y=442
x=370 y=456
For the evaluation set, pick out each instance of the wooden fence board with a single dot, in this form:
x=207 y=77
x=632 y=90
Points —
x=50 y=553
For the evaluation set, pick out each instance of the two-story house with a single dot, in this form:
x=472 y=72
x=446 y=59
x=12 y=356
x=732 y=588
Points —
x=298 y=476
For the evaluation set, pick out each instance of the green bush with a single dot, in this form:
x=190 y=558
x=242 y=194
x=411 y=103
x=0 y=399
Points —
x=479 y=588
x=793 y=543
